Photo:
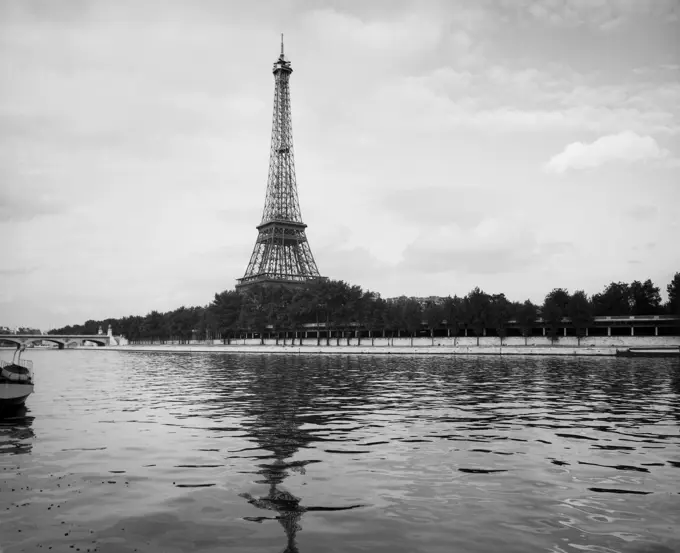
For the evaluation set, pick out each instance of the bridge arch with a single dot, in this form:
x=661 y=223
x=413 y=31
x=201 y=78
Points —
x=46 y=338
x=18 y=342
x=99 y=343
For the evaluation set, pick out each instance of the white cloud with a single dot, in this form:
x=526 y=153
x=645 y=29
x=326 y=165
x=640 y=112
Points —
x=505 y=244
x=605 y=15
x=417 y=32
x=643 y=212
x=503 y=99
x=625 y=146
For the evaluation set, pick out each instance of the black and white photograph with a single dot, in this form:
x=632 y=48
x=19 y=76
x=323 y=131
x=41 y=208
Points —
x=309 y=276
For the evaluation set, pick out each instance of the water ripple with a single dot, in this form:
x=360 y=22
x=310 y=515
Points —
x=181 y=452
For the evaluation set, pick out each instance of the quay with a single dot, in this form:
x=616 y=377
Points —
x=370 y=350
x=595 y=346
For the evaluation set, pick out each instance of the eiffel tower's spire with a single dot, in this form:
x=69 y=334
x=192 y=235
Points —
x=281 y=253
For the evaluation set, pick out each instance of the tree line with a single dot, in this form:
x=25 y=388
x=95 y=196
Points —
x=340 y=309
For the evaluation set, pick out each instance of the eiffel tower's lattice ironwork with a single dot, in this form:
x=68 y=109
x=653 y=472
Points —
x=281 y=253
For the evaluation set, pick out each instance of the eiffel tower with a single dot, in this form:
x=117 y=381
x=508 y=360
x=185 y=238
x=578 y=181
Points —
x=281 y=254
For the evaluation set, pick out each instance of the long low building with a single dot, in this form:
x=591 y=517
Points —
x=623 y=325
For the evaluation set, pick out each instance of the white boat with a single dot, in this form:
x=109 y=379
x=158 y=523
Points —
x=16 y=380
x=660 y=351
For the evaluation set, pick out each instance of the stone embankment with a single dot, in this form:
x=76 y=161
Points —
x=595 y=346
x=376 y=350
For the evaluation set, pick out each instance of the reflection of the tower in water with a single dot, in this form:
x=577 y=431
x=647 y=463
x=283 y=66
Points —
x=16 y=432
x=280 y=405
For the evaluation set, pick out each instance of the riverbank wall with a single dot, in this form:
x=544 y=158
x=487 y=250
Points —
x=363 y=350
x=596 y=346
x=457 y=342
x=589 y=346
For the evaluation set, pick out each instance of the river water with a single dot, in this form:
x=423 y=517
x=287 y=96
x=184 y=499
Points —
x=121 y=452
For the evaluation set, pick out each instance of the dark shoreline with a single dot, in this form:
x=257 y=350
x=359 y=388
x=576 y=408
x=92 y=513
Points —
x=388 y=350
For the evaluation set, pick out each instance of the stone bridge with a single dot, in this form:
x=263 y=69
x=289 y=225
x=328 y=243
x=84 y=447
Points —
x=62 y=340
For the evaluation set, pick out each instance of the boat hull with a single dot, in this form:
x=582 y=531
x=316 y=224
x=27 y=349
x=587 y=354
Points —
x=14 y=394
x=650 y=352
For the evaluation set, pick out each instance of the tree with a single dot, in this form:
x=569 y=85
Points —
x=580 y=311
x=227 y=309
x=130 y=327
x=296 y=308
x=499 y=315
x=374 y=307
x=645 y=298
x=206 y=326
x=477 y=307
x=180 y=323
x=332 y=295
x=352 y=311
x=673 y=289
x=90 y=327
x=315 y=306
x=615 y=300
x=527 y=313
x=434 y=314
x=453 y=314
x=673 y=305
x=392 y=316
x=155 y=326
x=554 y=309
x=411 y=316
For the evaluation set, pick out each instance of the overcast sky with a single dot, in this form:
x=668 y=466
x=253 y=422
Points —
x=514 y=145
